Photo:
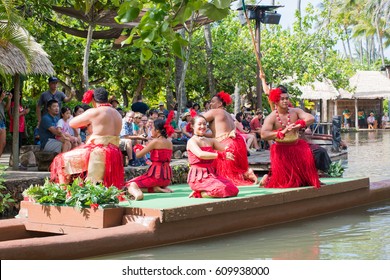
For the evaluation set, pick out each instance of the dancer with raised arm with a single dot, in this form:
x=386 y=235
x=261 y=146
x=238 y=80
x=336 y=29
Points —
x=292 y=162
x=202 y=152
x=158 y=177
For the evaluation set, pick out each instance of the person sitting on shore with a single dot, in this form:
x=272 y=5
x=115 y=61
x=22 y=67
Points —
x=67 y=131
x=201 y=154
x=99 y=160
x=48 y=130
x=371 y=121
x=158 y=177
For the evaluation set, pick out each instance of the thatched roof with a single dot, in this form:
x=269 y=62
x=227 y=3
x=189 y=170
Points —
x=319 y=90
x=368 y=85
x=12 y=61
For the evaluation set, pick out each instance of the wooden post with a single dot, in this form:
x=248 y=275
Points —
x=15 y=135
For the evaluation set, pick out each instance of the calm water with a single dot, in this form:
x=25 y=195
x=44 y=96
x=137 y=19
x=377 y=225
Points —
x=359 y=233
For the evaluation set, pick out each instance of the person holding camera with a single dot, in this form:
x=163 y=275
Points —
x=3 y=108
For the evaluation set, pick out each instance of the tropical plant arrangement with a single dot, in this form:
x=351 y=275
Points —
x=79 y=194
x=336 y=169
x=6 y=199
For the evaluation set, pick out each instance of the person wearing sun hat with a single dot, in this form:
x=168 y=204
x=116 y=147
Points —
x=224 y=130
x=51 y=93
x=100 y=159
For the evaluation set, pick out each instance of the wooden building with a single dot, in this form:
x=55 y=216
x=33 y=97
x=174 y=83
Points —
x=369 y=90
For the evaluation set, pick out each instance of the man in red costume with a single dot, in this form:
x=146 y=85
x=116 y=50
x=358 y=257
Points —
x=292 y=162
x=100 y=159
x=223 y=129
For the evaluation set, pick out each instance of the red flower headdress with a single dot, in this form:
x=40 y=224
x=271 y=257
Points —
x=225 y=97
x=193 y=114
x=168 y=127
x=274 y=95
x=87 y=97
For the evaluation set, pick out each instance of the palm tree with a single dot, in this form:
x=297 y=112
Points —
x=12 y=31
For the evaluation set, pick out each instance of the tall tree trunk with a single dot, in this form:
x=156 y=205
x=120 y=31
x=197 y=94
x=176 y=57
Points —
x=170 y=98
x=15 y=134
x=181 y=76
x=125 y=96
x=237 y=101
x=209 y=60
x=140 y=87
x=181 y=97
x=299 y=12
x=348 y=43
x=368 y=51
x=87 y=52
x=380 y=42
x=361 y=52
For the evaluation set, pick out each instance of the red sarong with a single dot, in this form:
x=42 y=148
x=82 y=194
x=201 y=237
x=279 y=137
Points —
x=234 y=170
x=292 y=166
x=77 y=163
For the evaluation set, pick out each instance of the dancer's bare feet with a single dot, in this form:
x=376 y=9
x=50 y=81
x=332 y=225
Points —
x=251 y=176
x=162 y=190
x=263 y=181
x=135 y=192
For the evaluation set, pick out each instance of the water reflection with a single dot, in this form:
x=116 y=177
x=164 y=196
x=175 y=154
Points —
x=368 y=154
x=359 y=233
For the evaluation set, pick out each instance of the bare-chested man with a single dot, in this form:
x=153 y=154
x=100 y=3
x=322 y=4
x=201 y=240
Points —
x=292 y=162
x=100 y=157
x=223 y=129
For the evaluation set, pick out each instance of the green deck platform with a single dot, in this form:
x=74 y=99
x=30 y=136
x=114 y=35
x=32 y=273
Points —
x=177 y=205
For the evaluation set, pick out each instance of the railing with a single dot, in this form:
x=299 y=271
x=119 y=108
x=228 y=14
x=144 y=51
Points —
x=322 y=128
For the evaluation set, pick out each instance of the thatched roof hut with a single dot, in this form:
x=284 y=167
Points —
x=319 y=90
x=12 y=61
x=368 y=85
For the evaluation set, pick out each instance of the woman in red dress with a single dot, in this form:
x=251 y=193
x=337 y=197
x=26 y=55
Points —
x=159 y=174
x=201 y=154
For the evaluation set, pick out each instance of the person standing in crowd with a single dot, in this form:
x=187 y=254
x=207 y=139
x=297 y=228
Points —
x=22 y=120
x=202 y=151
x=51 y=93
x=3 y=108
x=139 y=106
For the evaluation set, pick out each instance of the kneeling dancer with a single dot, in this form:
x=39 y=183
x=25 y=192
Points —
x=201 y=154
x=158 y=177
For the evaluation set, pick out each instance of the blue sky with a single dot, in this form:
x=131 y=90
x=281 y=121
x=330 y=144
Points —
x=288 y=12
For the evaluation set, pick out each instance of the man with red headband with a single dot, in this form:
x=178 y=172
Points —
x=100 y=159
x=292 y=162
x=224 y=130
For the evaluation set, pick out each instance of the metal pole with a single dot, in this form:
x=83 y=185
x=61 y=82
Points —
x=259 y=87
